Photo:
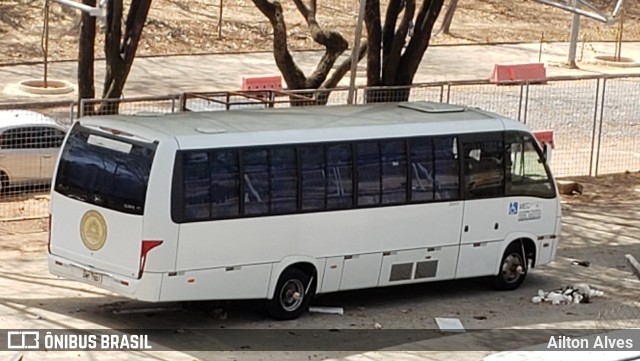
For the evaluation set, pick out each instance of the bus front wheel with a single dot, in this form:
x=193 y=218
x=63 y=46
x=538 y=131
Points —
x=513 y=268
x=292 y=295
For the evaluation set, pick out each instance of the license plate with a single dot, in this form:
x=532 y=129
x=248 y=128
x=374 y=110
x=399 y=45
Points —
x=92 y=276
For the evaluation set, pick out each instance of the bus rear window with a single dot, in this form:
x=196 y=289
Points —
x=107 y=171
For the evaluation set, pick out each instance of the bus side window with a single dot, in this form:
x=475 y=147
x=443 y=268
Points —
x=313 y=177
x=527 y=174
x=196 y=178
x=368 y=168
x=339 y=177
x=225 y=186
x=422 y=169
x=255 y=165
x=484 y=168
x=446 y=168
x=394 y=171
x=284 y=181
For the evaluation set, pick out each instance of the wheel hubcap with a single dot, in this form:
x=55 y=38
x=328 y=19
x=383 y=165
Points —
x=292 y=295
x=512 y=268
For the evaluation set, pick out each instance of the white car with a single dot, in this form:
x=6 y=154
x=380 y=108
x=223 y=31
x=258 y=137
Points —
x=29 y=147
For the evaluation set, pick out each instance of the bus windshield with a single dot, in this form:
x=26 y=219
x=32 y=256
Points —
x=104 y=170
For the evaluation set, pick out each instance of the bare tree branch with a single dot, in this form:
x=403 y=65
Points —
x=445 y=28
x=302 y=8
x=333 y=42
x=343 y=68
x=293 y=76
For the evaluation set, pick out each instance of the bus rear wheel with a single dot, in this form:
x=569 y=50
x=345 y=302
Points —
x=291 y=298
x=513 y=269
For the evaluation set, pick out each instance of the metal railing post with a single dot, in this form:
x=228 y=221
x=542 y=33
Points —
x=602 y=102
x=593 y=130
x=81 y=108
x=448 y=93
x=520 y=102
x=72 y=112
x=526 y=103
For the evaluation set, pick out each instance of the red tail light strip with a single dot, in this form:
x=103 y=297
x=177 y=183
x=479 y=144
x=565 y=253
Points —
x=146 y=247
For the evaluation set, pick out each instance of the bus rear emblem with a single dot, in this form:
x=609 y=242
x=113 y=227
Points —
x=93 y=230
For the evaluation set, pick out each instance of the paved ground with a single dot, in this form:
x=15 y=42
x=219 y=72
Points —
x=177 y=74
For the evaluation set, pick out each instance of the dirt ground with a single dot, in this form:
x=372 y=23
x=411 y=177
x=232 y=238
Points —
x=599 y=226
x=190 y=27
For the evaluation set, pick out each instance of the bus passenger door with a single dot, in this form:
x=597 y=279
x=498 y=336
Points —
x=425 y=246
x=485 y=207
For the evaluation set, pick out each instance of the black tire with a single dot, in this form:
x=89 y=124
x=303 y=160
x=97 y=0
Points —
x=290 y=299
x=513 y=269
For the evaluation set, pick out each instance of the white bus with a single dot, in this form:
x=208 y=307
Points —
x=282 y=204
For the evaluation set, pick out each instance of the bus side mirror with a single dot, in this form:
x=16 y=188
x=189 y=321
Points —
x=546 y=152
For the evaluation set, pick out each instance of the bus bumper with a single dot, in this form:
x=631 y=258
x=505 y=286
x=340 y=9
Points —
x=146 y=288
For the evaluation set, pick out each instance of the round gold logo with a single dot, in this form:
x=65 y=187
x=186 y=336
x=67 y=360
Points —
x=93 y=230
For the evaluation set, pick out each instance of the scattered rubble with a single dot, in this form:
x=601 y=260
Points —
x=579 y=293
x=584 y=263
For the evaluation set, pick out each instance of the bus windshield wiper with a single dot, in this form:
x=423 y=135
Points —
x=77 y=197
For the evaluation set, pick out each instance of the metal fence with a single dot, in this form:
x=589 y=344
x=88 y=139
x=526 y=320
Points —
x=129 y=106
x=30 y=138
x=595 y=120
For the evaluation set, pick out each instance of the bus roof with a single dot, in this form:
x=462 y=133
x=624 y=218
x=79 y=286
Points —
x=310 y=123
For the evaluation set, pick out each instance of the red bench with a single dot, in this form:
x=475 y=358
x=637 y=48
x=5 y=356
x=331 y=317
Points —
x=262 y=83
x=533 y=73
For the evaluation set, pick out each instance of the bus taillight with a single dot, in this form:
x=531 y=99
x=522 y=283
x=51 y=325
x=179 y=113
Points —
x=146 y=247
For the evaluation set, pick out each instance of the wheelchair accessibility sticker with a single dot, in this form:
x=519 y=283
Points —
x=526 y=211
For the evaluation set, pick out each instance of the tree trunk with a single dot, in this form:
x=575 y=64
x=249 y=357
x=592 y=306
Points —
x=374 y=38
x=393 y=47
x=120 y=51
x=398 y=67
x=411 y=58
x=86 y=57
